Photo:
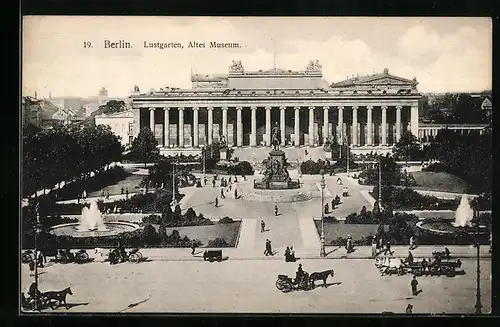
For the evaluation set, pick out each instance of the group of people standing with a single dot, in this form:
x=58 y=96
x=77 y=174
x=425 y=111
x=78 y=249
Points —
x=226 y=183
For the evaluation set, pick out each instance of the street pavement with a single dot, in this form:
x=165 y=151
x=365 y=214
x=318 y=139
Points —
x=249 y=286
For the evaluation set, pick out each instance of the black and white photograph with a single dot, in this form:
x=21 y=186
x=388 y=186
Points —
x=281 y=165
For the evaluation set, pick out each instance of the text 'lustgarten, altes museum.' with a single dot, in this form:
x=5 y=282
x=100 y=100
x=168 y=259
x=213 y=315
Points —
x=240 y=107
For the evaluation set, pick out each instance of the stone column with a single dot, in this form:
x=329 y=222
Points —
x=369 y=125
x=137 y=121
x=282 y=125
x=268 y=126
x=195 y=127
x=210 y=112
x=354 y=126
x=414 y=119
x=311 y=126
x=253 y=137
x=181 y=127
x=398 y=123
x=325 y=124
x=166 y=126
x=152 y=120
x=296 y=130
x=340 y=123
x=384 y=125
x=239 y=127
x=224 y=123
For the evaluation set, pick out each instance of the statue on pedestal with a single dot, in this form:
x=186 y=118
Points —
x=275 y=137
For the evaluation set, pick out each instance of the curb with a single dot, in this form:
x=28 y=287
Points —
x=303 y=258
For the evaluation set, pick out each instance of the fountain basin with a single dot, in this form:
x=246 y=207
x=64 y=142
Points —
x=446 y=227
x=110 y=229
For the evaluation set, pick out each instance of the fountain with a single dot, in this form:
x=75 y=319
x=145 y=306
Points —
x=464 y=213
x=461 y=224
x=92 y=225
x=91 y=219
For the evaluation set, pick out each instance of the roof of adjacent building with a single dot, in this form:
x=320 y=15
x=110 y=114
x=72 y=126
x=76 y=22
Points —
x=277 y=81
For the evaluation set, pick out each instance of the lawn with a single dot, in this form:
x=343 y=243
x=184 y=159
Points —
x=442 y=182
x=131 y=183
x=229 y=232
x=333 y=231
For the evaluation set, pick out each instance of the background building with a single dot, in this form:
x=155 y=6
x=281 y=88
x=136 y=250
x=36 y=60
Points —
x=121 y=124
x=367 y=112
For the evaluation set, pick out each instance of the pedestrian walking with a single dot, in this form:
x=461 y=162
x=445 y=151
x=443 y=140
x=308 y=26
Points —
x=126 y=193
x=230 y=187
x=216 y=202
x=388 y=248
x=374 y=248
x=235 y=193
x=262 y=226
x=267 y=251
x=205 y=180
x=213 y=182
x=275 y=210
x=287 y=254
x=107 y=195
x=409 y=309
x=122 y=191
x=411 y=242
x=305 y=151
x=414 y=284
x=193 y=247
x=222 y=196
x=333 y=204
x=230 y=180
x=235 y=179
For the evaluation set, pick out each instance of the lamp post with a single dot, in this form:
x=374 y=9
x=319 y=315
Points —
x=203 y=155
x=476 y=222
x=380 y=184
x=37 y=224
x=322 y=239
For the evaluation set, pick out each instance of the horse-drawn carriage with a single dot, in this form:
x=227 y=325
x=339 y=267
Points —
x=66 y=256
x=303 y=282
x=120 y=255
x=388 y=266
x=39 y=300
x=287 y=284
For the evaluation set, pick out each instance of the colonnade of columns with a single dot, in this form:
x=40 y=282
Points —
x=352 y=136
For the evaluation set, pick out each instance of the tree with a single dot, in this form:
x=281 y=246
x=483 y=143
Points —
x=144 y=146
x=112 y=106
x=211 y=153
x=407 y=147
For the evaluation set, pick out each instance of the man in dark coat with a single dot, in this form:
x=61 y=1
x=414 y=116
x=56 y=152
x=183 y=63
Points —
x=262 y=226
x=414 y=284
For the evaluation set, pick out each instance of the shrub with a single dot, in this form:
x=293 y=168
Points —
x=226 y=220
x=311 y=167
x=218 y=242
x=330 y=219
x=152 y=219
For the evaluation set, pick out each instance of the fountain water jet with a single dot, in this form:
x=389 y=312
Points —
x=91 y=219
x=464 y=213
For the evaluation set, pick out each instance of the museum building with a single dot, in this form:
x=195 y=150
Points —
x=366 y=112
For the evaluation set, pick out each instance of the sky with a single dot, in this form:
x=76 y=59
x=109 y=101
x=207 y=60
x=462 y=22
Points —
x=452 y=54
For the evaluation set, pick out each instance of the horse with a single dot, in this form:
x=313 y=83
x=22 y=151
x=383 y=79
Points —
x=57 y=296
x=101 y=254
x=320 y=276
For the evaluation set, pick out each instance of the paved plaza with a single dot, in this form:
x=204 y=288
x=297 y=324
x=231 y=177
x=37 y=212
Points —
x=172 y=280
x=249 y=286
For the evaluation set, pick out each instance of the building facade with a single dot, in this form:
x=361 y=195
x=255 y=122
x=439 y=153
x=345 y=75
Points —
x=241 y=107
x=121 y=125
